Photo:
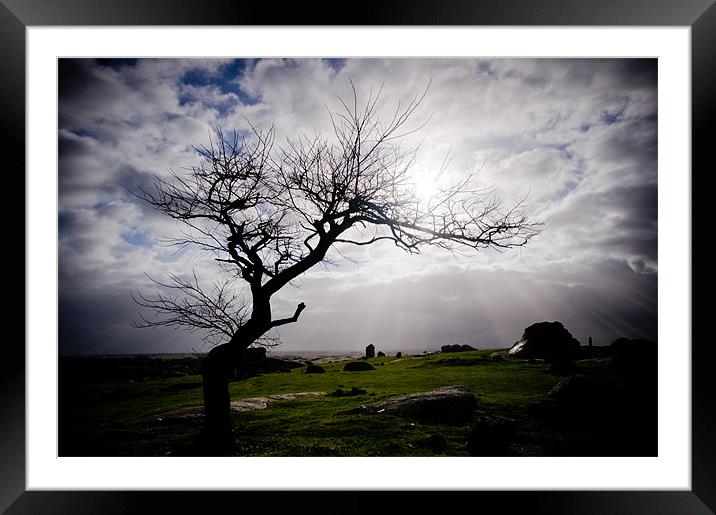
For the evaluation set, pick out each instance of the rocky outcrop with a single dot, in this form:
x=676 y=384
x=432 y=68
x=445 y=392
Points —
x=456 y=348
x=545 y=340
x=634 y=357
x=254 y=361
x=445 y=405
x=315 y=369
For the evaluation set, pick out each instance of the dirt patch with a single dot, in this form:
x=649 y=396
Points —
x=261 y=402
x=248 y=404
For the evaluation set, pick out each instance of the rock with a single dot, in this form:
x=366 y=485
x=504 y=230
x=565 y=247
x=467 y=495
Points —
x=254 y=361
x=436 y=442
x=490 y=436
x=621 y=419
x=624 y=343
x=456 y=348
x=307 y=362
x=250 y=363
x=635 y=357
x=399 y=355
x=315 y=369
x=545 y=340
x=452 y=405
x=357 y=366
x=274 y=364
x=381 y=354
x=370 y=351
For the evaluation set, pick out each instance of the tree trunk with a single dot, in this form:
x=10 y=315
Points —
x=217 y=438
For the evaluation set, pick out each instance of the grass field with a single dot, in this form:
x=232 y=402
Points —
x=127 y=417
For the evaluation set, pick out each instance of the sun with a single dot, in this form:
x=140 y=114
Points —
x=425 y=186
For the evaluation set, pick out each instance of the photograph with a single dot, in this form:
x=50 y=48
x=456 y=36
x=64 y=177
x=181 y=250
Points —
x=357 y=257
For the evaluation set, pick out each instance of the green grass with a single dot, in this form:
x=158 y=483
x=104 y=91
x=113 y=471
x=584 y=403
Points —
x=119 y=418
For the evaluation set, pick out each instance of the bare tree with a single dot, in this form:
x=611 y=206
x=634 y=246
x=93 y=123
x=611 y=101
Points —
x=271 y=213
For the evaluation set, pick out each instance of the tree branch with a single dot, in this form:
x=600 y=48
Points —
x=294 y=318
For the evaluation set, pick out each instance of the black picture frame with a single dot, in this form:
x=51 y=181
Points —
x=17 y=15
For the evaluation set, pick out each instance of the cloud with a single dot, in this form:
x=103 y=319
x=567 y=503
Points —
x=575 y=138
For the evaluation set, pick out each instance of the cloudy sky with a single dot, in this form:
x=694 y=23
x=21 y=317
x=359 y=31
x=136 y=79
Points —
x=576 y=137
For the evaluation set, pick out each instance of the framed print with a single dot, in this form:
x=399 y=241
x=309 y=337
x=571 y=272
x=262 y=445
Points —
x=450 y=130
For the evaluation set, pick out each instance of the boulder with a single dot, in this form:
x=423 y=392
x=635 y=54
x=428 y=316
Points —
x=370 y=351
x=315 y=369
x=586 y=391
x=273 y=364
x=399 y=355
x=621 y=419
x=456 y=348
x=452 y=405
x=357 y=366
x=490 y=436
x=253 y=361
x=545 y=340
x=381 y=354
x=634 y=357
x=637 y=343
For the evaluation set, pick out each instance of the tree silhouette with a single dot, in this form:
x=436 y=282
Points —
x=269 y=213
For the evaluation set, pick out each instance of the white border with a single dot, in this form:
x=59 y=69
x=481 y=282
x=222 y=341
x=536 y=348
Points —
x=670 y=470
